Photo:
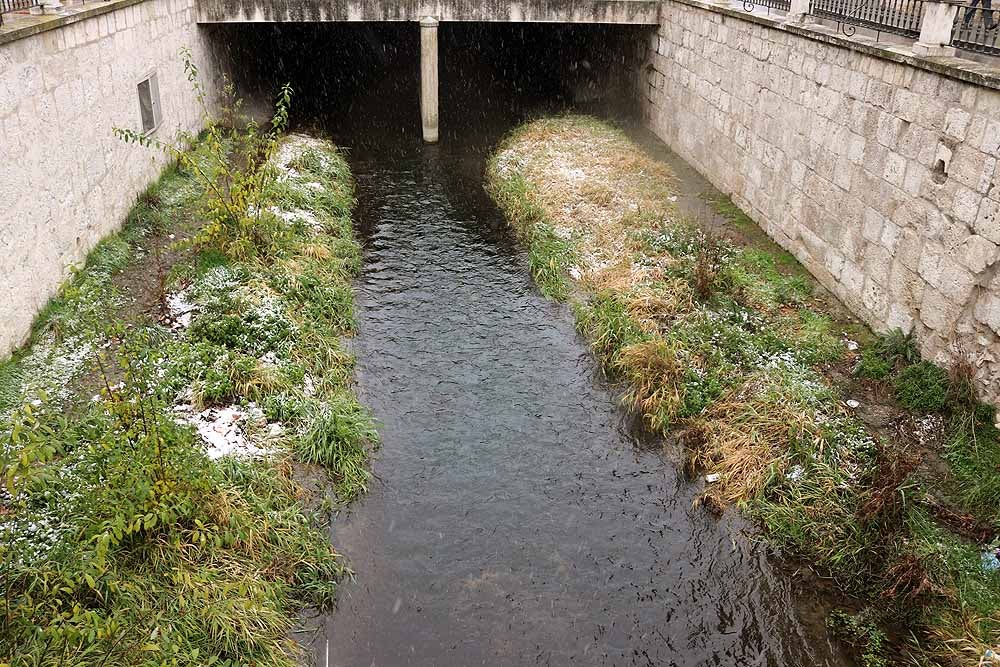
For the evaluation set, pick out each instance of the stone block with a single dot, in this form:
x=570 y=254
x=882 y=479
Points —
x=879 y=94
x=887 y=131
x=987 y=311
x=878 y=261
x=987 y=222
x=916 y=176
x=976 y=253
x=890 y=236
x=954 y=280
x=852 y=277
x=939 y=312
x=874 y=298
x=991 y=138
x=873 y=225
x=972 y=168
x=899 y=318
x=904 y=104
x=929 y=266
x=956 y=122
x=895 y=169
x=930 y=113
x=966 y=205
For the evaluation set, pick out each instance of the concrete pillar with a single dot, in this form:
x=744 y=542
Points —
x=429 y=78
x=798 y=11
x=935 y=29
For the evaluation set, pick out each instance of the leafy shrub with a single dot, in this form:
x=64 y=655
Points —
x=862 y=633
x=237 y=197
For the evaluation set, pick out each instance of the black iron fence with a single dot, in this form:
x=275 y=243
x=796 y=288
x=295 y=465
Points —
x=977 y=28
x=901 y=17
x=15 y=5
x=782 y=5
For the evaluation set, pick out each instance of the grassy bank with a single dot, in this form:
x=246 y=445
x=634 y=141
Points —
x=880 y=469
x=164 y=434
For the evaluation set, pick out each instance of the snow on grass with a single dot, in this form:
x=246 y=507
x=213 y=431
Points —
x=224 y=430
x=181 y=310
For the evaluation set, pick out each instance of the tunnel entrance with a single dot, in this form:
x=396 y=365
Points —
x=366 y=76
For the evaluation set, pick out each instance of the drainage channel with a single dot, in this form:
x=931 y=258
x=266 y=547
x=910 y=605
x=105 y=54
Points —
x=515 y=519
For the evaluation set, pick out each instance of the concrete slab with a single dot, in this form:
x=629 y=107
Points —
x=628 y=12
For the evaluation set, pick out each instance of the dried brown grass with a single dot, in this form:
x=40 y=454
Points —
x=591 y=180
x=654 y=375
x=744 y=434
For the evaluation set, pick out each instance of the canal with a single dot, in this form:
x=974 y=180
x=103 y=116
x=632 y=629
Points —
x=515 y=517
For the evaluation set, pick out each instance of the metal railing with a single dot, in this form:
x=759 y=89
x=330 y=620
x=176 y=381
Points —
x=977 y=29
x=15 y=5
x=782 y=5
x=900 y=17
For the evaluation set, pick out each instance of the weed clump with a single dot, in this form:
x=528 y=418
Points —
x=863 y=634
x=873 y=366
x=922 y=387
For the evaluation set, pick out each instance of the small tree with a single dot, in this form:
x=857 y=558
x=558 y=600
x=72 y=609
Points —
x=234 y=165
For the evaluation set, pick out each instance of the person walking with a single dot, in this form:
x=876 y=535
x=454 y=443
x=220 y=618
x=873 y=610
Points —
x=987 y=11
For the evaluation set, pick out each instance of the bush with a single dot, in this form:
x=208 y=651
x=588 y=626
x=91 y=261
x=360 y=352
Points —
x=863 y=634
x=873 y=366
x=922 y=387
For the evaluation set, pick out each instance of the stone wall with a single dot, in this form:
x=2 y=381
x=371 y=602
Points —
x=66 y=180
x=877 y=170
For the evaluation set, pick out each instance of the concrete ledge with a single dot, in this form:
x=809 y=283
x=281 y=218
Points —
x=634 y=12
x=18 y=26
x=950 y=66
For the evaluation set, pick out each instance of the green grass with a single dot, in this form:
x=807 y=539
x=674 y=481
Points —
x=122 y=542
x=609 y=327
x=549 y=257
x=972 y=450
x=922 y=387
x=733 y=213
x=338 y=437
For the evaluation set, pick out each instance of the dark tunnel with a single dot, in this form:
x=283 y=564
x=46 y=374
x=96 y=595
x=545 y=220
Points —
x=365 y=77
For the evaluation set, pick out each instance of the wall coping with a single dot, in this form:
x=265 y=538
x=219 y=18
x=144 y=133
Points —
x=17 y=27
x=951 y=66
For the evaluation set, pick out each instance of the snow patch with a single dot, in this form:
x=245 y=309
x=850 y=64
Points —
x=300 y=215
x=223 y=430
x=181 y=310
x=508 y=162
x=294 y=146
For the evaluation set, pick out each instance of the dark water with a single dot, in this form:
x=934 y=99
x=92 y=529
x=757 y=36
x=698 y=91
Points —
x=514 y=519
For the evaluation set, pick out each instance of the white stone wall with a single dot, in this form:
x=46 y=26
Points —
x=879 y=176
x=65 y=180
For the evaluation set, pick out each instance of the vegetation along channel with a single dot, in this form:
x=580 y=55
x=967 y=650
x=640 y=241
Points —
x=535 y=394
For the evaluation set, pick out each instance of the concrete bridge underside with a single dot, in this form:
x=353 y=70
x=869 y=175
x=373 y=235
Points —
x=430 y=13
x=622 y=12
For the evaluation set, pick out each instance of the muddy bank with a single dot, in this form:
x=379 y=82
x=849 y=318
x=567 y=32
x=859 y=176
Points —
x=847 y=449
